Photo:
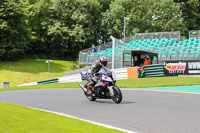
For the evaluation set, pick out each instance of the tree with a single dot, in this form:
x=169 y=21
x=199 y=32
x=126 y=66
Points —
x=167 y=16
x=74 y=25
x=63 y=27
x=190 y=13
x=145 y=16
x=13 y=42
x=37 y=17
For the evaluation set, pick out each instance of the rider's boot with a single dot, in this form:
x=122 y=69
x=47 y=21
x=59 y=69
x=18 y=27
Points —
x=90 y=85
x=89 y=89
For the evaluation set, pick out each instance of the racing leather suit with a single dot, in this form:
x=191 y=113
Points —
x=92 y=79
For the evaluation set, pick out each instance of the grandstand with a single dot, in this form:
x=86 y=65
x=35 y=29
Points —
x=168 y=46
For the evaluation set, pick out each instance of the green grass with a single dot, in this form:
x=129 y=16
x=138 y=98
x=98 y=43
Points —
x=34 y=69
x=158 y=82
x=20 y=119
x=128 y=83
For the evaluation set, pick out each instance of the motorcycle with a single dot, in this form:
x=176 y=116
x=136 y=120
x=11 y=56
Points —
x=105 y=88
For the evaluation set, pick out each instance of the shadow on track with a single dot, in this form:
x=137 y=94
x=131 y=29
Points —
x=111 y=102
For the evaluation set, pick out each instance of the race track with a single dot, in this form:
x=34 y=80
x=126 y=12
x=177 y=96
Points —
x=140 y=111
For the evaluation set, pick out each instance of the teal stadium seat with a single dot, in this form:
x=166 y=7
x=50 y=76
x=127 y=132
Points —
x=198 y=51
x=192 y=55
x=196 y=55
x=173 y=55
x=90 y=57
x=131 y=42
x=180 y=55
x=184 y=55
x=186 y=41
x=174 y=45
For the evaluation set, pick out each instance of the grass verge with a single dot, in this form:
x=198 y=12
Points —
x=158 y=82
x=127 y=83
x=20 y=119
x=31 y=70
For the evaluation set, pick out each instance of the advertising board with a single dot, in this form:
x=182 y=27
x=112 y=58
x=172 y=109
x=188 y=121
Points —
x=180 y=67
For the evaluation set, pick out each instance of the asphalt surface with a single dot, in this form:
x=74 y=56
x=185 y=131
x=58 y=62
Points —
x=140 y=111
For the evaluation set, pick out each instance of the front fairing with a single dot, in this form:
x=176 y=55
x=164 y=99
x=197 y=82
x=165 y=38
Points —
x=105 y=71
x=107 y=78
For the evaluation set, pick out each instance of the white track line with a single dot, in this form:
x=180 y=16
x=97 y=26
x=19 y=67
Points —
x=162 y=91
x=96 y=123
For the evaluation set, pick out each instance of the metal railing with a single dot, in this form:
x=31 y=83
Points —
x=88 y=58
x=157 y=35
x=194 y=34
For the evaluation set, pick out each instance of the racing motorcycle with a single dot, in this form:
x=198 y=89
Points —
x=105 y=88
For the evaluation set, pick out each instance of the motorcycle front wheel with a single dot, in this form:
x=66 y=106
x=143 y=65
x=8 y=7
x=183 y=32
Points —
x=117 y=95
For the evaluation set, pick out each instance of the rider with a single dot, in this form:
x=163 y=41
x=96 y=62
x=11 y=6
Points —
x=92 y=79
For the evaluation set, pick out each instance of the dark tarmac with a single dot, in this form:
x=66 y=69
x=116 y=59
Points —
x=140 y=111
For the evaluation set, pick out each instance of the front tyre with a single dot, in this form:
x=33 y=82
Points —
x=117 y=95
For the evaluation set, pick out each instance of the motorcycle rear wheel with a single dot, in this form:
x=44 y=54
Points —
x=90 y=97
x=117 y=97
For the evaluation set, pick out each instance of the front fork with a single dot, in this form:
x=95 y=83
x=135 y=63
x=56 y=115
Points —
x=111 y=89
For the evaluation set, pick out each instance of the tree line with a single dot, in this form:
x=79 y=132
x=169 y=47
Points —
x=60 y=28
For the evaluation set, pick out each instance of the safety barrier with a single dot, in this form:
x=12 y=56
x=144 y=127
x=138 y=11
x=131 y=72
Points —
x=155 y=70
x=48 y=81
x=70 y=78
x=121 y=73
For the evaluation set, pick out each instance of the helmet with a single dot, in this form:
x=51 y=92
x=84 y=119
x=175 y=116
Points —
x=103 y=61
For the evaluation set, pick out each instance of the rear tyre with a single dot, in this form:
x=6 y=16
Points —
x=90 y=97
x=117 y=97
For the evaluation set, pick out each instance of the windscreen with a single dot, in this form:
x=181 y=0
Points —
x=105 y=71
